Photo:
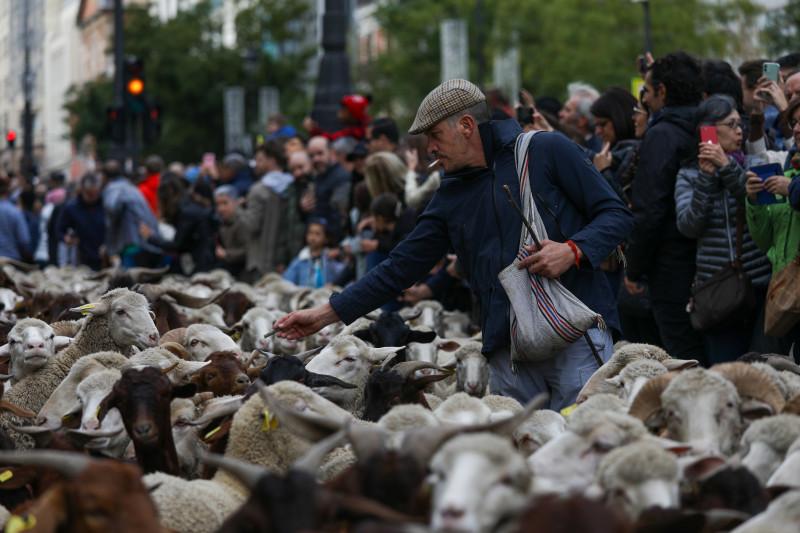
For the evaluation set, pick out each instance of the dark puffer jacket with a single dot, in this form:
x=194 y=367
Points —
x=700 y=207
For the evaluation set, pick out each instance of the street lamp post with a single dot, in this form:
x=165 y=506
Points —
x=648 y=43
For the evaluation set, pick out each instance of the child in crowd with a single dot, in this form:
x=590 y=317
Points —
x=312 y=267
x=393 y=223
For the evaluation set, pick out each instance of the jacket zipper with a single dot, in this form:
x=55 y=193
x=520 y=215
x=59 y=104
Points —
x=497 y=220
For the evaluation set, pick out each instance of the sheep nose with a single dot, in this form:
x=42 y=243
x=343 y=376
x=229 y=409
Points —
x=154 y=337
x=35 y=345
x=142 y=429
x=242 y=380
x=451 y=514
x=472 y=385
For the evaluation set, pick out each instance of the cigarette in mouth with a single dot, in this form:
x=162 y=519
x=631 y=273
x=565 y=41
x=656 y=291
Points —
x=433 y=164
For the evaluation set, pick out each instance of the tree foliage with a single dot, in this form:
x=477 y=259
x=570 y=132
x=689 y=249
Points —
x=187 y=68
x=596 y=41
x=781 y=33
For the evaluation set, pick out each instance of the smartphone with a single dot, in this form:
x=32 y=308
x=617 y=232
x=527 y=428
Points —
x=209 y=160
x=524 y=115
x=771 y=71
x=764 y=172
x=708 y=134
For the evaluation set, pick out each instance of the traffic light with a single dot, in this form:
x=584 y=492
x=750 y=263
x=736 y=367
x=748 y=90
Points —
x=11 y=136
x=134 y=84
x=151 y=123
x=115 y=124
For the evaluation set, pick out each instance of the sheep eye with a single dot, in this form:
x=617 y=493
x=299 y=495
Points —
x=211 y=376
x=52 y=336
x=350 y=359
x=120 y=312
x=194 y=342
x=729 y=405
x=601 y=447
x=12 y=342
x=506 y=480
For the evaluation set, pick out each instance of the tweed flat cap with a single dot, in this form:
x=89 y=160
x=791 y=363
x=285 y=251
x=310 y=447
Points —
x=447 y=99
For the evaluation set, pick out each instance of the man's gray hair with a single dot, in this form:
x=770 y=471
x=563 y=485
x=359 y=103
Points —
x=226 y=190
x=583 y=109
x=91 y=179
x=479 y=111
x=578 y=88
x=344 y=145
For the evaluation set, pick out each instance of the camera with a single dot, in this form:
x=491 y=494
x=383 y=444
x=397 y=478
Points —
x=524 y=115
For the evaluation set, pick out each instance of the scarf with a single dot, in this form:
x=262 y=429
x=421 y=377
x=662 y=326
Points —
x=736 y=156
x=277 y=181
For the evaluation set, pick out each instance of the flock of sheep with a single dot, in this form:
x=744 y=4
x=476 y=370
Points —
x=139 y=401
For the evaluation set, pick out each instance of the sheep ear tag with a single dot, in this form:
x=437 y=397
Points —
x=269 y=422
x=5 y=476
x=84 y=309
x=17 y=523
x=565 y=412
x=236 y=336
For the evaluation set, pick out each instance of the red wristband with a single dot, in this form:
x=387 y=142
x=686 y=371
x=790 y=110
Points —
x=575 y=251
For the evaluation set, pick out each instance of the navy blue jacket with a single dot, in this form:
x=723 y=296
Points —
x=89 y=224
x=471 y=213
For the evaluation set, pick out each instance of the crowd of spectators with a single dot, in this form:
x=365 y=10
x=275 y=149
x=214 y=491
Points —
x=325 y=209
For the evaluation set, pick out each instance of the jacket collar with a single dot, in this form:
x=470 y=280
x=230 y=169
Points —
x=496 y=135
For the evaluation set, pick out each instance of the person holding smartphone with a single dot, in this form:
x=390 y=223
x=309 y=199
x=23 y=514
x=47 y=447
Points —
x=707 y=187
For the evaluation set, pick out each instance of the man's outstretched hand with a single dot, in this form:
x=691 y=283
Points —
x=306 y=322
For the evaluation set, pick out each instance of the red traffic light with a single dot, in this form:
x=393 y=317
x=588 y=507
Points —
x=11 y=135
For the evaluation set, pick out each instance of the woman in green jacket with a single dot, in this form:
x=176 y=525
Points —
x=776 y=227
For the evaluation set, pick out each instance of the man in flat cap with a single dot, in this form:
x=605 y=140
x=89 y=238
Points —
x=470 y=213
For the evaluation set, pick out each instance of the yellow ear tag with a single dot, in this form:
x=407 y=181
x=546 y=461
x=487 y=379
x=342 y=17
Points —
x=5 y=476
x=269 y=423
x=18 y=523
x=236 y=336
x=96 y=413
x=565 y=412
x=67 y=419
x=211 y=433
x=84 y=308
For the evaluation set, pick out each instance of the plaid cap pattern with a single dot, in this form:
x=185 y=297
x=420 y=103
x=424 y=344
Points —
x=447 y=99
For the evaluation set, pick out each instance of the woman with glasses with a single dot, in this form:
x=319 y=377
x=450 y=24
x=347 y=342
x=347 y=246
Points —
x=776 y=227
x=709 y=194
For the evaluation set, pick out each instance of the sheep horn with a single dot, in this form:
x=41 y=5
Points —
x=250 y=359
x=218 y=410
x=323 y=380
x=170 y=368
x=366 y=440
x=310 y=461
x=150 y=291
x=16 y=410
x=792 y=406
x=176 y=349
x=371 y=316
x=68 y=464
x=308 y=425
x=752 y=382
x=6 y=377
x=201 y=397
x=139 y=274
x=33 y=430
x=268 y=355
x=388 y=361
x=96 y=433
x=413 y=316
x=782 y=363
x=648 y=401
x=407 y=368
x=194 y=302
x=308 y=353
x=19 y=265
x=247 y=473
x=173 y=335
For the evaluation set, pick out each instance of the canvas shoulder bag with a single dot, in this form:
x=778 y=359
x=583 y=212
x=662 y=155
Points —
x=545 y=316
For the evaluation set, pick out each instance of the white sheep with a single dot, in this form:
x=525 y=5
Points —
x=472 y=369
x=634 y=375
x=119 y=320
x=9 y=300
x=110 y=439
x=31 y=343
x=539 y=429
x=463 y=409
x=783 y=514
x=623 y=356
x=162 y=358
x=788 y=472
x=349 y=359
x=640 y=475
x=254 y=326
x=201 y=340
x=478 y=480
x=766 y=442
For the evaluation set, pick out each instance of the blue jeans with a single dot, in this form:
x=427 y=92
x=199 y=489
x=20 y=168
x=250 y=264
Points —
x=562 y=376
